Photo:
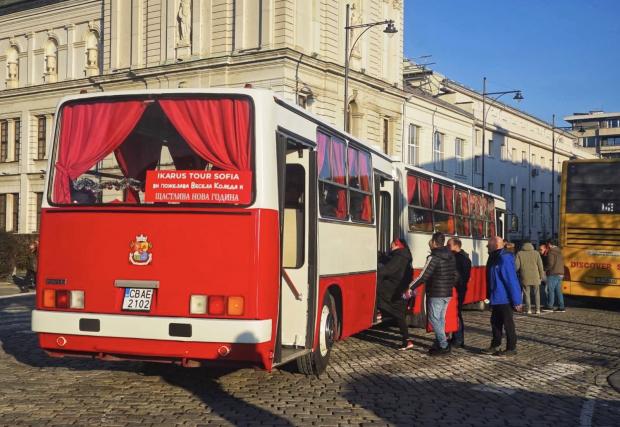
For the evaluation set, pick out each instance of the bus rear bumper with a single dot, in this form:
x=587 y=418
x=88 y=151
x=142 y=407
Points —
x=123 y=337
x=241 y=331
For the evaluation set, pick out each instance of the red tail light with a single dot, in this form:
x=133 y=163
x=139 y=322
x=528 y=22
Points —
x=62 y=299
x=217 y=304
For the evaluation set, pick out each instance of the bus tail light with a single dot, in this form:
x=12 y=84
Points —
x=235 y=306
x=63 y=299
x=77 y=299
x=49 y=298
x=217 y=304
x=198 y=304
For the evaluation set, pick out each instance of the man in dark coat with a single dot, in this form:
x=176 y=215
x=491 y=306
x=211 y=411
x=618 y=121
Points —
x=392 y=279
x=439 y=276
x=463 y=268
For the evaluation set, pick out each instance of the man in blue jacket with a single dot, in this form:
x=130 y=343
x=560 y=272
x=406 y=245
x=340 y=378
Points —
x=504 y=294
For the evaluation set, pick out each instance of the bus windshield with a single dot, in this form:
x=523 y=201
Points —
x=163 y=150
x=592 y=188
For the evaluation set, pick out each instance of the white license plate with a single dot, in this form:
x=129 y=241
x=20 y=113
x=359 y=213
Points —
x=136 y=299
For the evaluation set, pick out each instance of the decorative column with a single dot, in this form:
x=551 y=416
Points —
x=30 y=77
x=70 y=29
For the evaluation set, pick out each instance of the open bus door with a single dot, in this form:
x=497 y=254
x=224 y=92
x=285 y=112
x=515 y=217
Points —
x=297 y=184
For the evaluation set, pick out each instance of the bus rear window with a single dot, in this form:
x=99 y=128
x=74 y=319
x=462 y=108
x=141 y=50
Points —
x=592 y=188
x=164 y=151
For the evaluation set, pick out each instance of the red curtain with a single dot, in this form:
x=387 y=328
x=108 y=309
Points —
x=411 y=184
x=88 y=133
x=337 y=163
x=134 y=157
x=352 y=158
x=425 y=192
x=436 y=192
x=465 y=210
x=323 y=143
x=219 y=130
x=364 y=167
x=448 y=202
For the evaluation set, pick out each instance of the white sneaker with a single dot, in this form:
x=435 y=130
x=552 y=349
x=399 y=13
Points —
x=529 y=312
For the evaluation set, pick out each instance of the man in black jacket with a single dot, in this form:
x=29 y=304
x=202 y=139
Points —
x=392 y=279
x=439 y=276
x=463 y=268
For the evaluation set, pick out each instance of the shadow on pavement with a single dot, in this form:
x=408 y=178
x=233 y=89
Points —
x=18 y=341
x=411 y=399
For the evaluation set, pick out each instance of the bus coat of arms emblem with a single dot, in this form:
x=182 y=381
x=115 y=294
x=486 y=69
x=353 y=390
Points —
x=139 y=254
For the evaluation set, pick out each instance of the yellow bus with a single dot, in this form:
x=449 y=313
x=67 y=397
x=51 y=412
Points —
x=590 y=227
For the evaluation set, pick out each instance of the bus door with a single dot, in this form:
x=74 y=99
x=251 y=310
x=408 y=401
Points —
x=298 y=254
x=387 y=213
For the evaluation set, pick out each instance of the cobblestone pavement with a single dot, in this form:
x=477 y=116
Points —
x=558 y=378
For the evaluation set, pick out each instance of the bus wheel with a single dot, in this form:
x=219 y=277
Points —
x=315 y=363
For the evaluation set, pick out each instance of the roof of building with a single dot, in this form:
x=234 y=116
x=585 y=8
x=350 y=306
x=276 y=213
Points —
x=590 y=116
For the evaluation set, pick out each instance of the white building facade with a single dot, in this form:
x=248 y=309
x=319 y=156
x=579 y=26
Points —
x=53 y=48
x=521 y=161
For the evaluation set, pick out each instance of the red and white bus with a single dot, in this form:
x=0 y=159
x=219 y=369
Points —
x=205 y=225
x=436 y=203
x=218 y=225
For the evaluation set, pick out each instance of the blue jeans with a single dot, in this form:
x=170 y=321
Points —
x=554 y=289
x=437 y=316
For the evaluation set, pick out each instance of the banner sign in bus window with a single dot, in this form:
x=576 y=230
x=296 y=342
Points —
x=177 y=186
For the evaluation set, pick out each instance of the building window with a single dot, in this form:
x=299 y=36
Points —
x=18 y=141
x=15 y=212
x=39 y=197
x=514 y=155
x=589 y=141
x=533 y=161
x=438 y=150
x=513 y=198
x=502 y=190
x=542 y=211
x=503 y=152
x=459 y=149
x=413 y=149
x=477 y=164
x=542 y=163
x=41 y=133
x=523 y=203
x=490 y=148
x=2 y=212
x=523 y=158
x=490 y=187
x=386 y=135
x=4 y=140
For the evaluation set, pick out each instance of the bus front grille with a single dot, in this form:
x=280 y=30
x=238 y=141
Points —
x=588 y=237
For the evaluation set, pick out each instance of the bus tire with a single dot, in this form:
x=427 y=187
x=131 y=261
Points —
x=314 y=363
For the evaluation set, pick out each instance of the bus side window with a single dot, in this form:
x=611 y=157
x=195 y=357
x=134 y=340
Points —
x=293 y=240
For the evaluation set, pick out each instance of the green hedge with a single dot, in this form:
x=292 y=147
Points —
x=14 y=252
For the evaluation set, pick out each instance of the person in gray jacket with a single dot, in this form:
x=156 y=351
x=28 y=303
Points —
x=529 y=266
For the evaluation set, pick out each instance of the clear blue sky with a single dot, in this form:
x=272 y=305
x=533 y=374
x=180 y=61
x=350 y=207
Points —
x=563 y=54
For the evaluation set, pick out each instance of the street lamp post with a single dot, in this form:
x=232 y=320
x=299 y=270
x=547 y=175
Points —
x=390 y=28
x=518 y=96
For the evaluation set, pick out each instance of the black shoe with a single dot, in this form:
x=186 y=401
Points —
x=505 y=353
x=490 y=350
x=439 y=351
x=456 y=343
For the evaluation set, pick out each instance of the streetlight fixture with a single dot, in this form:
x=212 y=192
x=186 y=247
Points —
x=518 y=97
x=390 y=29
